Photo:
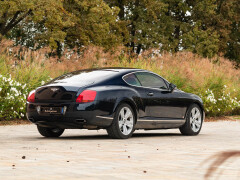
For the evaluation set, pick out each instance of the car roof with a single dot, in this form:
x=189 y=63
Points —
x=93 y=75
x=118 y=70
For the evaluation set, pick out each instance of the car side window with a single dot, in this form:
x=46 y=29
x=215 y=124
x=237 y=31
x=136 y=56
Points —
x=151 y=80
x=132 y=80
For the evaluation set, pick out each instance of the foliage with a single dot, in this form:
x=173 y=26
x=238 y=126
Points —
x=26 y=72
x=94 y=23
x=219 y=102
x=15 y=84
x=146 y=23
x=12 y=98
x=215 y=80
x=21 y=13
x=205 y=27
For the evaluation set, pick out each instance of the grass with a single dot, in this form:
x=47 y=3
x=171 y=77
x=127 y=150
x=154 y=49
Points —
x=190 y=72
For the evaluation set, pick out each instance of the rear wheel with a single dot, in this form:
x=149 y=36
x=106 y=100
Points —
x=50 y=132
x=123 y=123
x=193 y=122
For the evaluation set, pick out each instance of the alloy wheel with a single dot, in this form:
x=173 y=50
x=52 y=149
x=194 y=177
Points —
x=195 y=119
x=125 y=120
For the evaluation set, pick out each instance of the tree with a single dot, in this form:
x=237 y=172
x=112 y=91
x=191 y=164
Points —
x=48 y=12
x=94 y=23
x=144 y=21
x=222 y=18
x=206 y=27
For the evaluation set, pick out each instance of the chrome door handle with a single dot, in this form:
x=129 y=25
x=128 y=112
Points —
x=150 y=94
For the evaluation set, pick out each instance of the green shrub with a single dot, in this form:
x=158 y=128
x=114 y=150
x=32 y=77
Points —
x=220 y=102
x=12 y=98
x=16 y=81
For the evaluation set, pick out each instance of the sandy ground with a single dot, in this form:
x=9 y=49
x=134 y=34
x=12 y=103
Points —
x=83 y=154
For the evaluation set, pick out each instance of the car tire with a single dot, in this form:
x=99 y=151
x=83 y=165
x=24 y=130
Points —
x=50 y=132
x=123 y=123
x=194 y=120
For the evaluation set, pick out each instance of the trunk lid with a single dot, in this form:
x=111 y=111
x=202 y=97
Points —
x=56 y=93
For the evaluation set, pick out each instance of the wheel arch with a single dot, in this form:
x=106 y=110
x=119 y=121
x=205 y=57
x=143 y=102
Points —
x=131 y=103
x=200 y=106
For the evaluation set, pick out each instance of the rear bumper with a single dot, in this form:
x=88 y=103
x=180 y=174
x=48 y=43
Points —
x=77 y=116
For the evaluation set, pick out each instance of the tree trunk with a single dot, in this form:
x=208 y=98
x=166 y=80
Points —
x=121 y=7
x=177 y=37
x=139 y=48
x=133 y=27
x=5 y=28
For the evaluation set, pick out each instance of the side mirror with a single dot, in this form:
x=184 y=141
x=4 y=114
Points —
x=172 y=87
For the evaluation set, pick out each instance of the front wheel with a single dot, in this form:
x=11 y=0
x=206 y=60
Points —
x=123 y=124
x=194 y=119
x=50 y=132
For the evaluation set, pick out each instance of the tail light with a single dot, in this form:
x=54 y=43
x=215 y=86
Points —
x=86 y=96
x=31 y=96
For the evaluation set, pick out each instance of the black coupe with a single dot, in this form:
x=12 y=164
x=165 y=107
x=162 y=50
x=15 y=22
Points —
x=119 y=100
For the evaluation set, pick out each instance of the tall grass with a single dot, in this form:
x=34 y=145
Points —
x=23 y=67
x=216 y=80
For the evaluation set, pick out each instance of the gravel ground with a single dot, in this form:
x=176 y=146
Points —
x=83 y=154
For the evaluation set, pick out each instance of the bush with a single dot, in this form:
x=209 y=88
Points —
x=12 y=98
x=216 y=81
x=16 y=81
x=220 y=102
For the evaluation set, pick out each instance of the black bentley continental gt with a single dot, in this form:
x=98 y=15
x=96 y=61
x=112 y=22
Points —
x=119 y=100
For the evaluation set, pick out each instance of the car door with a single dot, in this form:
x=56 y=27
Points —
x=160 y=102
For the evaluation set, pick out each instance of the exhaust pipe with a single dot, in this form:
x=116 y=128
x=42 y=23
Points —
x=81 y=120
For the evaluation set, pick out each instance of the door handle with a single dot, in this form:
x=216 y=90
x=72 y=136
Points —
x=150 y=94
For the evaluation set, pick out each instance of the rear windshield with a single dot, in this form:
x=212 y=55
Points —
x=84 y=77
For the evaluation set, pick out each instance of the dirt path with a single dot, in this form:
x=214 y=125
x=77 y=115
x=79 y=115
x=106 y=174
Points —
x=82 y=154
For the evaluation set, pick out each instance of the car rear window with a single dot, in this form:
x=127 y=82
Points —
x=84 y=77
